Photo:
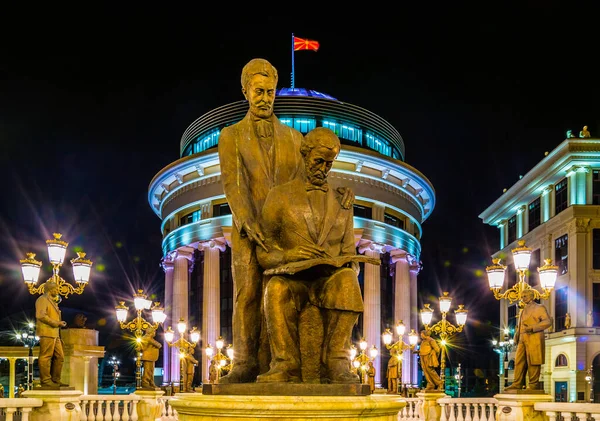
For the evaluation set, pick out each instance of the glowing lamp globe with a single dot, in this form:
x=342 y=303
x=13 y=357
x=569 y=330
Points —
x=495 y=274
x=352 y=352
x=461 y=315
x=223 y=363
x=209 y=350
x=362 y=344
x=400 y=328
x=81 y=268
x=30 y=269
x=230 y=352
x=521 y=256
x=548 y=274
x=413 y=338
x=373 y=351
x=158 y=313
x=181 y=326
x=56 y=249
x=220 y=342
x=356 y=363
x=169 y=335
x=121 y=310
x=387 y=337
x=426 y=315
x=195 y=335
x=445 y=302
x=140 y=301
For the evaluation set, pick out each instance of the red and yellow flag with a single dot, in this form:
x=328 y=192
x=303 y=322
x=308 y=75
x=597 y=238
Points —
x=305 y=44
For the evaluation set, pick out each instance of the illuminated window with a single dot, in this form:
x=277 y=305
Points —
x=560 y=308
x=512 y=229
x=561 y=254
x=535 y=214
x=190 y=218
x=393 y=221
x=378 y=144
x=206 y=141
x=596 y=187
x=561 y=361
x=332 y=125
x=302 y=124
x=560 y=196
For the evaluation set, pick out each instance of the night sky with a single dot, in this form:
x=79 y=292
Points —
x=92 y=108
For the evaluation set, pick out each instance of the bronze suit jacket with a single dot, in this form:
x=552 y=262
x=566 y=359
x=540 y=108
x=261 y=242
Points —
x=48 y=317
x=536 y=316
x=244 y=166
x=287 y=222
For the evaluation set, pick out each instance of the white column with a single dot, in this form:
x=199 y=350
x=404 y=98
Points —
x=415 y=267
x=547 y=203
x=168 y=266
x=211 y=304
x=402 y=306
x=503 y=227
x=86 y=374
x=372 y=303
x=179 y=306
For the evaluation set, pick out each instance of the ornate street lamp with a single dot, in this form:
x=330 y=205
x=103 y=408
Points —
x=521 y=257
x=458 y=377
x=589 y=377
x=400 y=346
x=360 y=362
x=115 y=372
x=503 y=348
x=30 y=340
x=221 y=361
x=444 y=329
x=57 y=249
x=139 y=325
x=185 y=347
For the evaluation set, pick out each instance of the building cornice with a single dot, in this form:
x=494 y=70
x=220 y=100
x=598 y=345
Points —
x=555 y=166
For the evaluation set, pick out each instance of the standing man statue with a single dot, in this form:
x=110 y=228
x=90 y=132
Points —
x=256 y=154
x=392 y=371
x=188 y=369
x=51 y=356
x=529 y=338
x=428 y=353
x=371 y=376
x=149 y=348
x=313 y=299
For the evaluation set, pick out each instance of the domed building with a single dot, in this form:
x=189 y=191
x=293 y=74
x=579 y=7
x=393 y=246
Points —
x=392 y=201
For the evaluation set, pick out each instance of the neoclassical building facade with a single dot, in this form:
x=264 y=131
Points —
x=393 y=200
x=555 y=208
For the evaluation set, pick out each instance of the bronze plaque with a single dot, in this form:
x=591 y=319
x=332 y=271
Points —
x=507 y=409
x=69 y=406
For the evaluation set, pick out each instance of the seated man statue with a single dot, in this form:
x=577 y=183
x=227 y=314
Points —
x=313 y=299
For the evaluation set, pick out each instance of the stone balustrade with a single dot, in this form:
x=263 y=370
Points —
x=18 y=409
x=109 y=407
x=569 y=411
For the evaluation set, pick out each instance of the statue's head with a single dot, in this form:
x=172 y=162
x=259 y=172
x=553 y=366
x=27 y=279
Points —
x=51 y=289
x=150 y=331
x=425 y=334
x=527 y=296
x=80 y=320
x=319 y=149
x=259 y=82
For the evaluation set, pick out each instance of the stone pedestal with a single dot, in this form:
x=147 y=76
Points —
x=519 y=406
x=59 y=405
x=431 y=410
x=149 y=408
x=80 y=369
x=196 y=407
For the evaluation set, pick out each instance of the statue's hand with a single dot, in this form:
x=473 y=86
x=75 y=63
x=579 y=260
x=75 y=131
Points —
x=62 y=324
x=347 y=197
x=304 y=252
x=253 y=232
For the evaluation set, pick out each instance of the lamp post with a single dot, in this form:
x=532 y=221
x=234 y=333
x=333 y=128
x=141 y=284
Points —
x=443 y=328
x=57 y=249
x=30 y=340
x=185 y=347
x=115 y=372
x=521 y=258
x=220 y=360
x=503 y=348
x=138 y=325
x=589 y=377
x=360 y=362
x=400 y=346
x=458 y=376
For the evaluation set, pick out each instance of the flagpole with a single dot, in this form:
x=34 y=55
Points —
x=292 y=61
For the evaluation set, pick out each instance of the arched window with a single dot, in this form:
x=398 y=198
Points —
x=561 y=361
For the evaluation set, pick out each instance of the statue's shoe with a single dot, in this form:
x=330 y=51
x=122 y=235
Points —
x=278 y=375
x=338 y=371
x=59 y=383
x=514 y=387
